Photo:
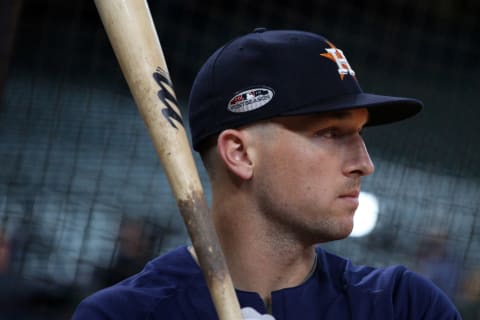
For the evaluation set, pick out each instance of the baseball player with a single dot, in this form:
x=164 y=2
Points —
x=277 y=118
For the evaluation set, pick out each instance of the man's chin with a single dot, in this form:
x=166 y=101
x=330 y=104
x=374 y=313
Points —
x=334 y=236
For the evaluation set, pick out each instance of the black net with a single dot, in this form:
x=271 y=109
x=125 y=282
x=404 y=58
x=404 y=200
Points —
x=80 y=183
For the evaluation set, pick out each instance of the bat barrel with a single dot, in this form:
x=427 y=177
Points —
x=132 y=34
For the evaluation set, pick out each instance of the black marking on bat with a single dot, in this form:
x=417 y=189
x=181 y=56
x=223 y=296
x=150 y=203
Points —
x=167 y=98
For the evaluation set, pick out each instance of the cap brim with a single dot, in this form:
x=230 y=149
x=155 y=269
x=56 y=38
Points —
x=382 y=109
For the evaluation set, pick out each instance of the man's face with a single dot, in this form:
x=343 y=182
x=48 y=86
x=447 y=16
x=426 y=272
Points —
x=306 y=179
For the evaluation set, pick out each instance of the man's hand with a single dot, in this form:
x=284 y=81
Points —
x=252 y=314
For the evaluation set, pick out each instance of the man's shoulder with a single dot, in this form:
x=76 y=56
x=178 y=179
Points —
x=394 y=290
x=159 y=284
x=373 y=278
x=173 y=269
x=176 y=263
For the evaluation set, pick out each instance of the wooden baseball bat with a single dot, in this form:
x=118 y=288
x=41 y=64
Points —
x=132 y=34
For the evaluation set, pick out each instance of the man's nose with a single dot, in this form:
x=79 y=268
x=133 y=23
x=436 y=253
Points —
x=359 y=162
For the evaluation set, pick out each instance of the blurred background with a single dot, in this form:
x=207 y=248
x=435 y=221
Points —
x=84 y=201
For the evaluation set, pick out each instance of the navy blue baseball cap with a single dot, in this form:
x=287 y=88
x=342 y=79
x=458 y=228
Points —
x=273 y=73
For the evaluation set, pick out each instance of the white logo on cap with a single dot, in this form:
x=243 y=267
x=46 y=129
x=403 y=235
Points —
x=250 y=99
x=339 y=58
x=342 y=63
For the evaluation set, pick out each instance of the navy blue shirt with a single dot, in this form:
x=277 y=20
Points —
x=172 y=287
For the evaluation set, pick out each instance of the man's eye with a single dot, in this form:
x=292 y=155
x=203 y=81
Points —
x=328 y=133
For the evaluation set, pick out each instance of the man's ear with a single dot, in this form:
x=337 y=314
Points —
x=232 y=149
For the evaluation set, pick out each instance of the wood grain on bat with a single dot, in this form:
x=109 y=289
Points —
x=131 y=31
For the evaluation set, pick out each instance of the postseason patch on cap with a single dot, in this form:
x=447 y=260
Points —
x=250 y=99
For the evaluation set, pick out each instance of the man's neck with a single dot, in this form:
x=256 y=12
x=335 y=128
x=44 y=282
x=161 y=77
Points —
x=264 y=276
x=264 y=273
x=256 y=261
